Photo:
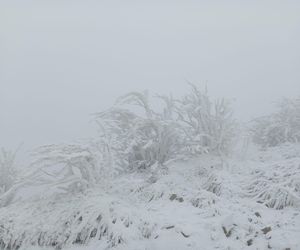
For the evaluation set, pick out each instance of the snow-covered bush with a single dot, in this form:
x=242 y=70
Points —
x=135 y=134
x=139 y=140
x=208 y=126
x=142 y=136
x=63 y=169
x=7 y=170
x=72 y=167
x=279 y=127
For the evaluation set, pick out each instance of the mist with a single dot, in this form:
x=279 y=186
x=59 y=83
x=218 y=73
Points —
x=61 y=61
x=207 y=158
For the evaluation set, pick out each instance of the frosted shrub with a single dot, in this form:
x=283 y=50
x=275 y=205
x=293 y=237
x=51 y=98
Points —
x=279 y=127
x=72 y=167
x=62 y=169
x=7 y=170
x=133 y=135
x=141 y=136
x=208 y=126
x=139 y=140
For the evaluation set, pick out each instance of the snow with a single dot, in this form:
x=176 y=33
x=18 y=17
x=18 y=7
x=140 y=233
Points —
x=202 y=203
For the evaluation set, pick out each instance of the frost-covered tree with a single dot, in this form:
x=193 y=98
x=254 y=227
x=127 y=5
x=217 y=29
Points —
x=280 y=127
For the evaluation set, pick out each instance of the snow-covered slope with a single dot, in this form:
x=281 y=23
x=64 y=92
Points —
x=204 y=203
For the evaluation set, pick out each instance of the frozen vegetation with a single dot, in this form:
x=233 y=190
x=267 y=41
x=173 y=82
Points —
x=180 y=174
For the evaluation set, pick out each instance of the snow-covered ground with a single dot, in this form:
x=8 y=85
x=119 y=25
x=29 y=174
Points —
x=249 y=202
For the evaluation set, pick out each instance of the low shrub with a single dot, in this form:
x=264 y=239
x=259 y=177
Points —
x=280 y=127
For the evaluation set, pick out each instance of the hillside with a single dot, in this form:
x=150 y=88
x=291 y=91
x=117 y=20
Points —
x=249 y=202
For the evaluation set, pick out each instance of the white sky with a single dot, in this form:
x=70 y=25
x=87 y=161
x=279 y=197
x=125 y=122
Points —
x=60 y=61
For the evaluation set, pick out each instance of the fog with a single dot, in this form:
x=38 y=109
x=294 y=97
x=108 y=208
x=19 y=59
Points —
x=60 y=61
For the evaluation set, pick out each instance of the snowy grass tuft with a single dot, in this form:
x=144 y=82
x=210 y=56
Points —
x=274 y=193
x=213 y=184
x=70 y=221
x=278 y=184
